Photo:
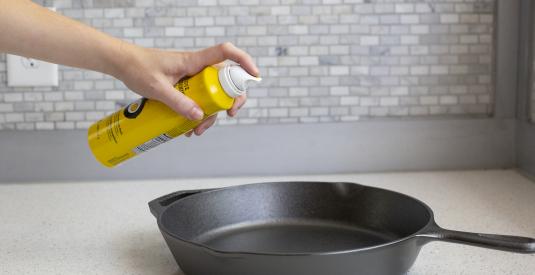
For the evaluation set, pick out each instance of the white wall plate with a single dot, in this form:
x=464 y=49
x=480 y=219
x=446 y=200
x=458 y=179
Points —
x=28 y=72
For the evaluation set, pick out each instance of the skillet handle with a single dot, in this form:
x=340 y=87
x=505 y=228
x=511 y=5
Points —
x=158 y=205
x=499 y=242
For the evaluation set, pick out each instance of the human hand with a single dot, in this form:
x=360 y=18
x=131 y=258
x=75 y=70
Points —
x=153 y=73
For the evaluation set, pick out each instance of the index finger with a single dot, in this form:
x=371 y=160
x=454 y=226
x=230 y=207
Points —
x=220 y=53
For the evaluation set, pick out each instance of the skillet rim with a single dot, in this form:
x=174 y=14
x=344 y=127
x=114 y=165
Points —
x=211 y=250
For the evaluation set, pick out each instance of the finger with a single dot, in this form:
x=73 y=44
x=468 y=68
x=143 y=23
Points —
x=199 y=130
x=220 y=53
x=209 y=122
x=238 y=103
x=181 y=104
x=188 y=134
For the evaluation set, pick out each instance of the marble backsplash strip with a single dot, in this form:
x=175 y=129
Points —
x=322 y=60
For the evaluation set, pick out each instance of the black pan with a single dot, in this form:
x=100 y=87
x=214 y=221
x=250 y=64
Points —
x=305 y=228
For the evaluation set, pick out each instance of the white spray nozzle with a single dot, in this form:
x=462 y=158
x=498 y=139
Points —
x=234 y=78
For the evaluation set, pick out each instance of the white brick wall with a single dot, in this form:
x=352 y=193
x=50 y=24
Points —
x=322 y=61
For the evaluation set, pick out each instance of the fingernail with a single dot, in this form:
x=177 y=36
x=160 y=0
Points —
x=197 y=114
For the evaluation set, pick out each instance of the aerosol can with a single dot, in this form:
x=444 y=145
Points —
x=146 y=123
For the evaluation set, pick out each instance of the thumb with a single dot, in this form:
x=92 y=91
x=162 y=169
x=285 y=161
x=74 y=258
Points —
x=181 y=104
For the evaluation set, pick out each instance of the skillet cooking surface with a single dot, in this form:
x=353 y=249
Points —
x=293 y=237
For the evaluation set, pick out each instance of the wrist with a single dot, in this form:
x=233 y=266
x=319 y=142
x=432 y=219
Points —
x=121 y=60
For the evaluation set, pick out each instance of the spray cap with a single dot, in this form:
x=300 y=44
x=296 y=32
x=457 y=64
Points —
x=234 y=78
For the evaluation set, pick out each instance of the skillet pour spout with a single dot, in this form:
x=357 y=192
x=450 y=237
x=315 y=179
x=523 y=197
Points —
x=298 y=227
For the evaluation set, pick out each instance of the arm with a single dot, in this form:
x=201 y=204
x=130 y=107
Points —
x=30 y=30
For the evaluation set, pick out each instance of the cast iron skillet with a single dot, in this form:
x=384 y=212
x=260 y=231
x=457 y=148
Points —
x=305 y=228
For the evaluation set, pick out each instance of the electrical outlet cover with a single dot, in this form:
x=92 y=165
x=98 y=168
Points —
x=24 y=72
x=28 y=72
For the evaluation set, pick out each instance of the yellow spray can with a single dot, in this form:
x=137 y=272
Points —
x=146 y=123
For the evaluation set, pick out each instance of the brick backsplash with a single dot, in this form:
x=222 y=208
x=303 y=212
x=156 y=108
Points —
x=322 y=60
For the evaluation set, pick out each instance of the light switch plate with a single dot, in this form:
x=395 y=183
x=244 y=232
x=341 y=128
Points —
x=28 y=72
x=24 y=72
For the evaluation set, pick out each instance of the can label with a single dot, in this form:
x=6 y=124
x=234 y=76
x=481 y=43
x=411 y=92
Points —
x=145 y=123
x=161 y=139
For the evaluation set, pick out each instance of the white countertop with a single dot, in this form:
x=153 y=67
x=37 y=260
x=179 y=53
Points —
x=106 y=227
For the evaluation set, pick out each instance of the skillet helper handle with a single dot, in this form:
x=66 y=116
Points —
x=158 y=205
x=498 y=242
